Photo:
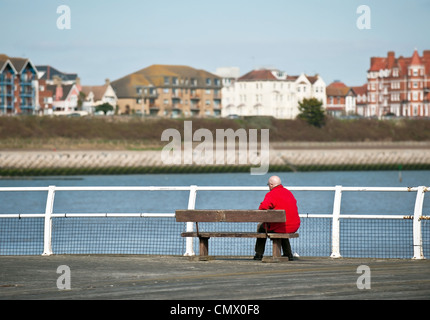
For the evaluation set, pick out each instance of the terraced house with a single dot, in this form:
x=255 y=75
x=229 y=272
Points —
x=169 y=91
x=18 y=86
x=399 y=86
x=271 y=92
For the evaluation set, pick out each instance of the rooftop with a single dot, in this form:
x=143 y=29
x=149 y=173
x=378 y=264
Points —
x=154 y=76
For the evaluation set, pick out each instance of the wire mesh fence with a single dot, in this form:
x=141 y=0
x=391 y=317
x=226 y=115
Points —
x=386 y=236
x=374 y=238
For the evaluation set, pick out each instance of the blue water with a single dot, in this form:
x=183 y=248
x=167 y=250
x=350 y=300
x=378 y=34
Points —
x=71 y=235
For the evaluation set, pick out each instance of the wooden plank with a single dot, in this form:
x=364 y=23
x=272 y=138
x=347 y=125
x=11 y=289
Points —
x=224 y=234
x=204 y=246
x=283 y=235
x=276 y=251
x=230 y=215
x=240 y=235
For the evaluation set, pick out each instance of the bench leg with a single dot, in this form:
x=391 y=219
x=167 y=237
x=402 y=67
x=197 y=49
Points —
x=276 y=252
x=204 y=246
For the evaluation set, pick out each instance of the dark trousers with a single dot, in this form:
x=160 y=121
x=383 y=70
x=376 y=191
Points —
x=260 y=245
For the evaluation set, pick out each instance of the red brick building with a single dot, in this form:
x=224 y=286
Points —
x=399 y=86
x=341 y=99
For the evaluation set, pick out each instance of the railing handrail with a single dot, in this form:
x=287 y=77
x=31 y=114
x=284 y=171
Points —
x=208 y=188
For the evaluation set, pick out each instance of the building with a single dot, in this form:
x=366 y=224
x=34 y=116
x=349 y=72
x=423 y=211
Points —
x=169 y=91
x=52 y=85
x=65 y=97
x=360 y=99
x=270 y=92
x=46 y=99
x=94 y=96
x=18 y=86
x=228 y=75
x=49 y=74
x=341 y=100
x=399 y=86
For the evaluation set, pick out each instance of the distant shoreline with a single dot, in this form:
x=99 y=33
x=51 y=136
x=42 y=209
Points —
x=283 y=157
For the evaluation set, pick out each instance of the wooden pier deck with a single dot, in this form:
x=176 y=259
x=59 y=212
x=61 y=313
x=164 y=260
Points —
x=223 y=278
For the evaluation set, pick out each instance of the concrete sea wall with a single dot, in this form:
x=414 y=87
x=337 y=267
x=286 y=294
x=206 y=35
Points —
x=292 y=157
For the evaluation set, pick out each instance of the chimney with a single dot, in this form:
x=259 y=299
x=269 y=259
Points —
x=56 y=80
x=107 y=82
x=426 y=58
x=391 y=59
x=78 y=83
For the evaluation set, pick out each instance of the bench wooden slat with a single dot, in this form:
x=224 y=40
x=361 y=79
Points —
x=240 y=235
x=230 y=215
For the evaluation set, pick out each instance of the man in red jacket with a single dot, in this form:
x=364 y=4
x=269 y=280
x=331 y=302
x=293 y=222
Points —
x=278 y=198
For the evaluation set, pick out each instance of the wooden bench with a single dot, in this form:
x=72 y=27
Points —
x=261 y=216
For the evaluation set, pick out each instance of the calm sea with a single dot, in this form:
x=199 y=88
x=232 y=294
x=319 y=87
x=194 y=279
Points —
x=313 y=202
x=168 y=201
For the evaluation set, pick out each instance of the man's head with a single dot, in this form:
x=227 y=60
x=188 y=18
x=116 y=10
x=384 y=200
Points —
x=274 y=181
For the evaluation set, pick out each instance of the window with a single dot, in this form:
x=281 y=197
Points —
x=175 y=81
x=208 y=81
x=166 y=80
x=395 y=85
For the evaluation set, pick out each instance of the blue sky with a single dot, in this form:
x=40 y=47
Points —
x=110 y=39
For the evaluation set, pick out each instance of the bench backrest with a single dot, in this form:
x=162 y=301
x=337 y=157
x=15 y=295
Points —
x=230 y=215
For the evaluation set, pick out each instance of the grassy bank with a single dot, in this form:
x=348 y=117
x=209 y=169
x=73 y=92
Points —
x=129 y=133
x=37 y=172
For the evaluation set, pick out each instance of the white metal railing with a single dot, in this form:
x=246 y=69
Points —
x=336 y=215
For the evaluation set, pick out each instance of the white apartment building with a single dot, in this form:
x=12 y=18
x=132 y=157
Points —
x=270 y=92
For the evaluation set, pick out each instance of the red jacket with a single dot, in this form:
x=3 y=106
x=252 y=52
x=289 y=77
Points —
x=280 y=198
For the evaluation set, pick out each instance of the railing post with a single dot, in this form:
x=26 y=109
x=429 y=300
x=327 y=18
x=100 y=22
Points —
x=190 y=225
x=418 y=212
x=335 y=237
x=47 y=240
